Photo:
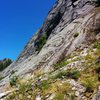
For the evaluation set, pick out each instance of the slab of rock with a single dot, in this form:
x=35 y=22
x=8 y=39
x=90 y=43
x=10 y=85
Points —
x=2 y=95
x=97 y=96
x=38 y=97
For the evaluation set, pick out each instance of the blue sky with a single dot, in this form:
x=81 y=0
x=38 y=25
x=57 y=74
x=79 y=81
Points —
x=19 y=19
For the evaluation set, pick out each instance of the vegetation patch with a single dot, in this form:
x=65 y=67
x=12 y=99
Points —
x=60 y=64
x=1 y=78
x=97 y=45
x=25 y=92
x=74 y=74
x=14 y=80
x=63 y=91
x=24 y=87
x=89 y=84
x=90 y=75
x=98 y=2
x=59 y=96
x=44 y=85
x=76 y=35
x=97 y=68
x=60 y=75
x=89 y=79
x=4 y=64
x=42 y=40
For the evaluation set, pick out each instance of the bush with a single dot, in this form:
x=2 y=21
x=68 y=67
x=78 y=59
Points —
x=60 y=64
x=98 y=2
x=60 y=75
x=73 y=74
x=97 y=45
x=99 y=77
x=41 y=42
x=68 y=74
x=12 y=96
x=89 y=84
x=24 y=90
x=13 y=81
x=1 y=77
x=59 y=96
x=4 y=63
x=24 y=87
x=97 y=69
x=12 y=72
x=44 y=85
x=76 y=35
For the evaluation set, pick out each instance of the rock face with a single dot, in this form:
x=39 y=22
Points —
x=97 y=96
x=70 y=24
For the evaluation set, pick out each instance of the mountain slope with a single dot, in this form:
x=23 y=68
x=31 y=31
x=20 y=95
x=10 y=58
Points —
x=71 y=28
x=60 y=26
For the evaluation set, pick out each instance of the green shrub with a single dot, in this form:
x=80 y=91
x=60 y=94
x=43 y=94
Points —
x=98 y=2
x=4 y=63
x=99 y=77
x=97 y=45
x=60 y=64
x=73 y=74
x=76 y=35
x=12 y=96
x=41 y=42
x=13 y=81
x=24 y=90
x=59 y=96
x=1 y=77
x=89 y=84
x=98 y=69
x=12 y=72
x=60 y=75
x=44 y=85
x=1 y=66
x=73 y=97
x=68 y=74
x=24 y=87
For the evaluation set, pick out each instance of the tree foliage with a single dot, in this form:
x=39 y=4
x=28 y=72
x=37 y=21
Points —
x=4 y=63
x=98 y=2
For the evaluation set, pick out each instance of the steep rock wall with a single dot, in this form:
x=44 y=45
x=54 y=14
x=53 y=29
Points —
x=64 y=21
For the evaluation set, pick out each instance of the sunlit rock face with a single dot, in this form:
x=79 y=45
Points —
x=70 y=24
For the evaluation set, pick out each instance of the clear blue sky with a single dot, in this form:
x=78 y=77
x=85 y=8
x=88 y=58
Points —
x=19 y=19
